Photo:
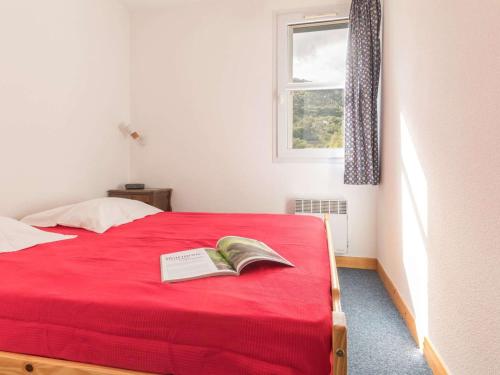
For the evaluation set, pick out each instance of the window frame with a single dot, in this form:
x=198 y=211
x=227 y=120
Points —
x=284 y=62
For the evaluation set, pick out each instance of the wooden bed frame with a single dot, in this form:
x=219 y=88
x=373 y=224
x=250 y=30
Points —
x=20 y=364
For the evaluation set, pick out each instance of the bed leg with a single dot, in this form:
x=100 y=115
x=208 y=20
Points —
x=339 y=344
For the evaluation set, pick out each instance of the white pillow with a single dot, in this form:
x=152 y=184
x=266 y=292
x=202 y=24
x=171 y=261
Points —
x=96 y=215
x=15 y=235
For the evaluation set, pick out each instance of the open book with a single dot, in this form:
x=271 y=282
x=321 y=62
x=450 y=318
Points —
x=229 y=257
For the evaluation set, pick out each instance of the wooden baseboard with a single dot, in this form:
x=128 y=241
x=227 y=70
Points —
x=399 y=303
x=356 y=262
x=433 y=359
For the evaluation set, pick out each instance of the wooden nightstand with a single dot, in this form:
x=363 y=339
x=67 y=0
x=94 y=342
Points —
x=159 y=198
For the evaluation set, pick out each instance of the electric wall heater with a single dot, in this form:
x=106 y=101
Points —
x=337 y=211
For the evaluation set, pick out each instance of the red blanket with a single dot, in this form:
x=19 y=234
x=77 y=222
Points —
x=98 y=299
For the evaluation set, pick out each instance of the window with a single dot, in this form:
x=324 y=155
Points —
x=310 y=88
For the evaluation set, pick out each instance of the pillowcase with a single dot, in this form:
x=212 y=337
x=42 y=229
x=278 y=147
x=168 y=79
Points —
x=15 y=236
x=96 y=215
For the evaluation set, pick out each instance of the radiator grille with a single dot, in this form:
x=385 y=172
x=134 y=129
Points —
x=320 y=206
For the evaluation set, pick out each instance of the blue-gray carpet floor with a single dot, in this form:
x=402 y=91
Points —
x=379 y=342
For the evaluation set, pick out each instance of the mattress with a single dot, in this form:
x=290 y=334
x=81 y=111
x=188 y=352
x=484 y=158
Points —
x=98 y=299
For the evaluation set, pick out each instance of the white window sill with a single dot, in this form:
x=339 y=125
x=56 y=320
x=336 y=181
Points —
x=287 y=155
x=311 y=159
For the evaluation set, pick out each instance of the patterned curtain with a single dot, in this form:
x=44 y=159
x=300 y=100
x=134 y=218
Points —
x=362 y=164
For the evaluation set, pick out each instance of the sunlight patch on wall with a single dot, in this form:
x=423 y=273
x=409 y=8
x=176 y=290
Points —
x=414 y=208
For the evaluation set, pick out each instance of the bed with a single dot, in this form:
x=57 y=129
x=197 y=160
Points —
x=94 y=304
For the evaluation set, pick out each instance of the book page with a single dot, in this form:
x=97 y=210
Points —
x=193 y=264
x=240 y=251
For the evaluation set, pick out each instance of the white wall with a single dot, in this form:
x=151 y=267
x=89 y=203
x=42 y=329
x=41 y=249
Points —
x=439 y=212
x=202 y=94
x=64 y=87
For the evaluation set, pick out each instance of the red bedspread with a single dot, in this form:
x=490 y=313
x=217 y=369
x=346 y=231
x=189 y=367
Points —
x=98 y=299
